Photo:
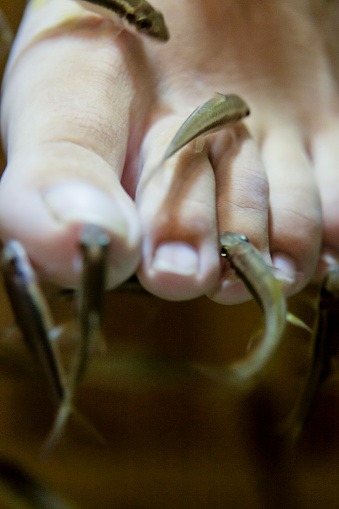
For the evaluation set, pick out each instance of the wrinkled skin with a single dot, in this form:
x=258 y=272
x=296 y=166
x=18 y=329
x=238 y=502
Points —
x=88 y=111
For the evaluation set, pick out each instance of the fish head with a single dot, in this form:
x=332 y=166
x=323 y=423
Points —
x=229 y=240
x=152 y=23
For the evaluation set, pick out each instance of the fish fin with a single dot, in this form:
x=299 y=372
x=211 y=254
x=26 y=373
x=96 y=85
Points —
x=256 y=335
x=199 y=144
x=297 y=322
x=89 y=426
x=55 y=333
x=58 y=428
x=64 y=414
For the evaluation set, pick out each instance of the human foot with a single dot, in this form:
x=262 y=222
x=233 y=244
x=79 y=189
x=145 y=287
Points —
x=273 y=176
x=93 y=98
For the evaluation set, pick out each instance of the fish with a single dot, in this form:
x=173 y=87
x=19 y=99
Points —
x=37 y=326
x=215 y=114
x=94 y=245
x=32 y=314
x=259 y=279
x=325 y=347
x=139 y=13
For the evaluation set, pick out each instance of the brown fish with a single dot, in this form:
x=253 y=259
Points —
x=35 y=321
x=139 y=13
x=249 y=265
x=215 y=114
x=32 y=314
x=325 y=347
x=259 y=279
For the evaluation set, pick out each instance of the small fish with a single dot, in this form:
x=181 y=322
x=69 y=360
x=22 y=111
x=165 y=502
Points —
x=325 y=347
x=215 y=114
x=94 y=244
x=328 y=322
x=35 y=321
x=248 y=264
x=139 y=13
x=32 y=314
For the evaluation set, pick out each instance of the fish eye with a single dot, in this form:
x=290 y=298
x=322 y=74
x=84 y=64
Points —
x=144 y=24
x=224 y=251
x=244 y=238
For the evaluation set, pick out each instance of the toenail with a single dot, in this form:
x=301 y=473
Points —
x=329 y=259
x=79 y=201
x=285 y=268
x=176 y=257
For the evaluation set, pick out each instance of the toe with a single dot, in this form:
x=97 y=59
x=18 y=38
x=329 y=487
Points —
x=176 y=203
x=242 y=199
x=46 y=213
x=67 y=132
x=295 y=209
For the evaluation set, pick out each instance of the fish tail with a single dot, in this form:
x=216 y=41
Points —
x=90 y=428
x=297 y=322
x=64 y=414
x=58 y=428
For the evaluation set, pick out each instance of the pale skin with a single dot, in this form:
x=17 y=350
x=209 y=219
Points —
x=88 y=111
